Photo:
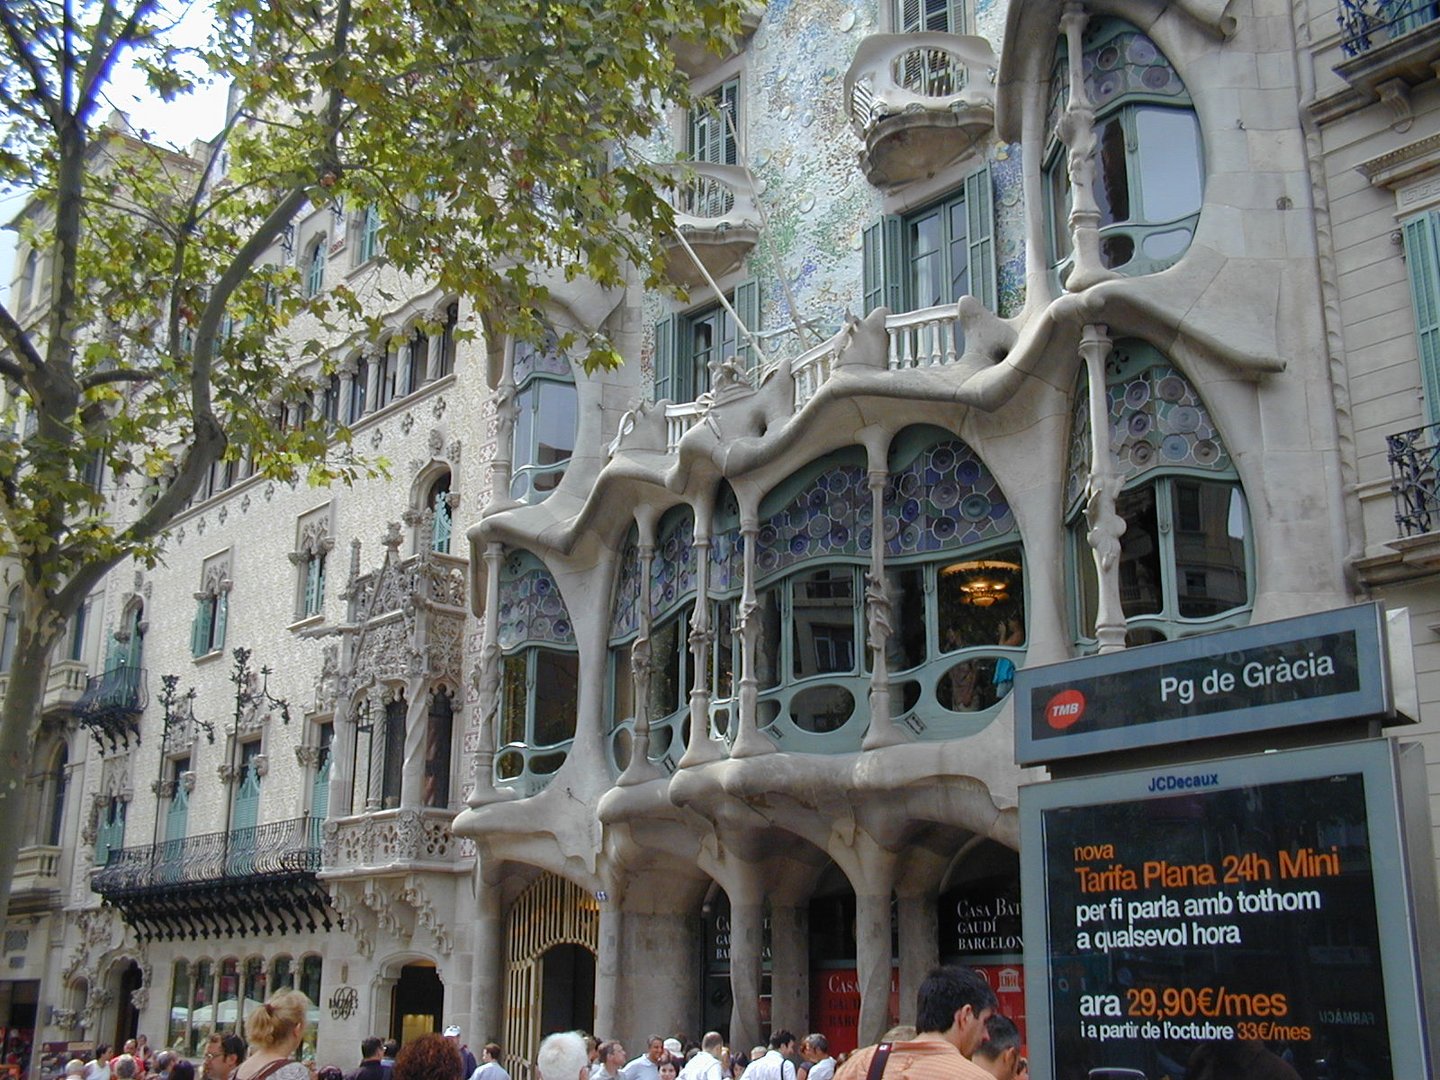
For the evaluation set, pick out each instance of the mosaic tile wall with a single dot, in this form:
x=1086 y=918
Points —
x=1157 y=420
x=531 y=607
x=798 y=143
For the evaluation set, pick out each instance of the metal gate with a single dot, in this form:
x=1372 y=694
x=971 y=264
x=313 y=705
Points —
x=551 y=912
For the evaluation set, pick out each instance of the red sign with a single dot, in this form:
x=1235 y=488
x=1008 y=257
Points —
x=1008 y=982
x=835 y=1006
x=1064 y=709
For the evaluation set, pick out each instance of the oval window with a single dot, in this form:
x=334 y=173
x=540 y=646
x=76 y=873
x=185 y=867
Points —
x=621 y=745
x=821 y=709
x=509 y=765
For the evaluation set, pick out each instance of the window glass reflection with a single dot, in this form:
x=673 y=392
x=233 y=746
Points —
x=981 y=601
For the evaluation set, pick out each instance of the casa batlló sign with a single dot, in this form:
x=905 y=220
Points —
x=1205 y=919
x=1310 y=670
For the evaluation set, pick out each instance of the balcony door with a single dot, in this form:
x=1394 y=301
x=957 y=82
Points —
x=245 y=812
x=320 y=786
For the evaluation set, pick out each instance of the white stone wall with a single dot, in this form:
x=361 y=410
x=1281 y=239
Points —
x=1372 y=171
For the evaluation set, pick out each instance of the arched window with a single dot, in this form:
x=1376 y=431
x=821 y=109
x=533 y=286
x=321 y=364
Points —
x=954 y=577
x=439 y=733
x=369 y=234
x=178 y=1031
x=445 y=359
x=1185 y=554
x=11 y=629
x=540 y=675
x=438 y=501
x=359 y=388
x=207 y=632
x=56 y=784
x=111 y=833
x=315 y=268
x=417 y=348
x=546 y=414
x=1149 y=172
x=393 y=771
x=385 y=360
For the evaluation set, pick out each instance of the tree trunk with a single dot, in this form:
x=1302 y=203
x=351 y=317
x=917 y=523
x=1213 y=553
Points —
x=19 y=723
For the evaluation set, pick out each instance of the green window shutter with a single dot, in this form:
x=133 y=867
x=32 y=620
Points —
x=882 y=256
x=980 y=209
x=747 y=306
x=217 y=636
x=665 y=359
x=200 y=629
x=1423 y=265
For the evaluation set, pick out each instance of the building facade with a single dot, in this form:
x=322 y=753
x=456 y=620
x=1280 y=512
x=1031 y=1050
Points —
x=678 y=696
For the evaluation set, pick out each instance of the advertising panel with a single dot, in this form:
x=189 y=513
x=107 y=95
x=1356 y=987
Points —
x=1292 y=672
x=1222 y=918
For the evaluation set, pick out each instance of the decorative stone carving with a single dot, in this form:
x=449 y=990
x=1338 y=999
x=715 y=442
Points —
x=436 y=442
x=261 y=763
x=164 y=789
x=413 y=893
x=327 y=683
x=227 y=772
x=308 y=757
x=187 y=780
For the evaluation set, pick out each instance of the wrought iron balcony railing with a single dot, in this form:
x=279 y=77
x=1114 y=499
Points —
x=1367 y=23
x=275 y=848
x=112 y=703
x=256 y=879
x=1414 y=456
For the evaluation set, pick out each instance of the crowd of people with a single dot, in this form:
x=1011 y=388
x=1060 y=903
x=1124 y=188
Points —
x=958 y=1035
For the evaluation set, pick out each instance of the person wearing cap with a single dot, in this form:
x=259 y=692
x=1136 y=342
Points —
x=647 y=1065
x=675 y=1051
x=467 y=1059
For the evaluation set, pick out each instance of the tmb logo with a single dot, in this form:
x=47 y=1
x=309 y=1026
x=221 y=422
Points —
x=1064 y=709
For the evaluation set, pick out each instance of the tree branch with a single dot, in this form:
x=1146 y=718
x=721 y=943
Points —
x=101 y=378
x=19 y=341
x=20 y=42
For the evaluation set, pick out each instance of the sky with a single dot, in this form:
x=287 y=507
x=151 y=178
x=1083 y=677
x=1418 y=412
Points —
x=176 y=123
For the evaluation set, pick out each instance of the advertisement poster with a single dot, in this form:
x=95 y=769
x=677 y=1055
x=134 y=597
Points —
x=1206 y=930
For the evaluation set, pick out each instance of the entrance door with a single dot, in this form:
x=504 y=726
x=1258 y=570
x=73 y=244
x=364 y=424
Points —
x=127 y=1017
x=549 y=926
x=417 y=1002
x=567 y=989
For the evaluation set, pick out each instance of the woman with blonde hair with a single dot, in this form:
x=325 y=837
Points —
x=276 y=1030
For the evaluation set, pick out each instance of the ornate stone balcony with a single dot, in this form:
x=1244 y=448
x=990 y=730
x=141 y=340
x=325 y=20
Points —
x=380 y=871
x=715 y=212
x=36 y=884
x=259 y=879
x=389 y=840
x=697 y=58
x=65 y=684
x=919 y=102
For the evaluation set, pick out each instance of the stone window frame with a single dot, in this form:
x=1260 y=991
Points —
x=314 y=540
x=212 y=607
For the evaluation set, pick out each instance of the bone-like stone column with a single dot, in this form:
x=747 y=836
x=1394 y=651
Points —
x=1103 y=487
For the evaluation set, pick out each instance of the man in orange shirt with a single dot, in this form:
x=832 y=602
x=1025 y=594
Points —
x=950 y=1014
